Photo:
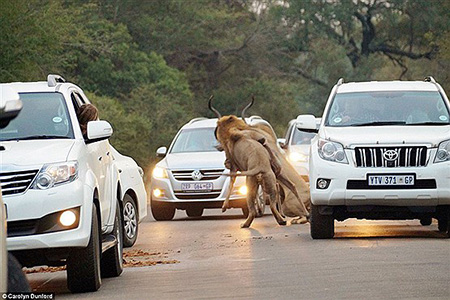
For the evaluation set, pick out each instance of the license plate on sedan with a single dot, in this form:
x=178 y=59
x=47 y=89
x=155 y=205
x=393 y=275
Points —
x=390 y=180
x=197 y=187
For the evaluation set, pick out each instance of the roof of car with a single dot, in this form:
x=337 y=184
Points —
x=373 y=86
x=39 y=86
x=208 y=123
x=201 y=123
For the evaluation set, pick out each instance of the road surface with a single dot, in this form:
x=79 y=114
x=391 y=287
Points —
x=211 y=257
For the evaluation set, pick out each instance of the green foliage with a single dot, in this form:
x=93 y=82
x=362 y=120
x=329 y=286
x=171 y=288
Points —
x=150 y=66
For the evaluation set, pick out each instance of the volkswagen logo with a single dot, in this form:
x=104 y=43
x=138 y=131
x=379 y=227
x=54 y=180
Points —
x=197 y=175
x=390 y=155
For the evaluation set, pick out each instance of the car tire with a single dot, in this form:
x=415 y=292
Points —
x=443 y=224
x=260 y=203
x=194 y=212
x=162 y=211
x=321 y=226
x=112 y=259
x=17 y=280
x=83 y=264
x=425 y=221
x=130 y=221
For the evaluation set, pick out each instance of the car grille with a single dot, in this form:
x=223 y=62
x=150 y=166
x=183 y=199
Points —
x=391 y=157
x=186 y=196
x=186 y=175
x=16 y=182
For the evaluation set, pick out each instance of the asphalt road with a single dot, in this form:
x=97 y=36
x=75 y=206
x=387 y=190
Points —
x=211 y=257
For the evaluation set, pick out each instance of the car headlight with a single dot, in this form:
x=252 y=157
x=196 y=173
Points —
x=332 y=151
x=159 y=173
x=443 y=152
x=298 y=157
x=55 y=174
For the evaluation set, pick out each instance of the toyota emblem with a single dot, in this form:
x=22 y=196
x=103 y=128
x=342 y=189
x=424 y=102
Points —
x=390 y=155
x=197 y=175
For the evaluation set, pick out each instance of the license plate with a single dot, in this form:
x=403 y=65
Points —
x=390 y=180
x=197 y=187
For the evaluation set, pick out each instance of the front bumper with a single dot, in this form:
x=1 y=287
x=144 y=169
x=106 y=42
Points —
x=37 y=204
x=342 y=189
x=202 y=200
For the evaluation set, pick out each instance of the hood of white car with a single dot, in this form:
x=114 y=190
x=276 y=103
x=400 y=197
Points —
x=304 y=149
x=194 y=160
x=352 y=136
x=34 y=152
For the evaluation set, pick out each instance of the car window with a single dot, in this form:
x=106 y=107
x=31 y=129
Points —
x=195 y=140
x=388 y=108
x=300 y=137
x=44 y=115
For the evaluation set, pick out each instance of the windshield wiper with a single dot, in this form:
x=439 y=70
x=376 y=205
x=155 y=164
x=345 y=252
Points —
x=428 y=123
x=380 y=123
x=38 y=137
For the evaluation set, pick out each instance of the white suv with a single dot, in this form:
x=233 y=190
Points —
x=382 y=152
x=60 y=190
x=191 y=175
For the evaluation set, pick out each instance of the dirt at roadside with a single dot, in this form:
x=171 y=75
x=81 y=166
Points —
x=131 y=258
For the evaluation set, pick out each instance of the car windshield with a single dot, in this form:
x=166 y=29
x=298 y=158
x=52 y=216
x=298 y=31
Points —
x=300 y=137
x=43 y=116
x=388 y=108
x=195 y=140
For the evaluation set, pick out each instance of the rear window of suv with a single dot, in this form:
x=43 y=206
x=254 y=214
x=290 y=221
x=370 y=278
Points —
x=43 y=116
x=388 y=108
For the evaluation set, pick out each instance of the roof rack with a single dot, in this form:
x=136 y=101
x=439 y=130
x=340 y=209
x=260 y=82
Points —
x=53 y=80
x=197 y=119
x=429 y=79
x=340 y=81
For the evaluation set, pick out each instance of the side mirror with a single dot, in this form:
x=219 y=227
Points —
x=10 y=105
x=161 y=152
x=281 y=142
x=307 y=123
x=98 y=131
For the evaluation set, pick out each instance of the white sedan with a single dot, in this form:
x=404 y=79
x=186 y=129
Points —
x=132 y=194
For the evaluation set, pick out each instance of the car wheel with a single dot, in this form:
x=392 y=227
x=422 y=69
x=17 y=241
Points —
x=260 y=202
x=17 y=280
x=442 y=224
x=130 y=221
x=112 y=259
x=83 y=264
x=162 y=211
x=321 y=226
x=425 y=221
x=194 y=212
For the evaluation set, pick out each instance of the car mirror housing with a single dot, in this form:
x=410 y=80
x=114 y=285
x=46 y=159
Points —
x=161 y=152
x=281 y=142
x=10 y=105
x=98 y=131
x=307 y=123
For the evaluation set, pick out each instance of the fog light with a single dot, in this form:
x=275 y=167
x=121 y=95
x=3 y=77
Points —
x=323 y=183
x=157 y=193
x=243 y=190
x=68 y=218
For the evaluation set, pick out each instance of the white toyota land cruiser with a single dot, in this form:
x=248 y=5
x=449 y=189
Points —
x=60 y=189
x=382 y=152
